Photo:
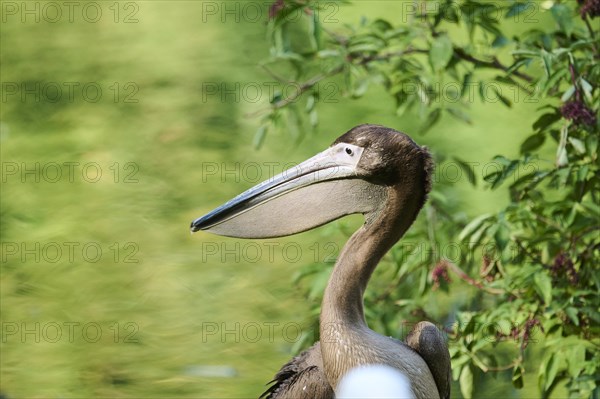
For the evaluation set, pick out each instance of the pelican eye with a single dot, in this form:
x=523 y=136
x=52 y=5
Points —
x=349 y=151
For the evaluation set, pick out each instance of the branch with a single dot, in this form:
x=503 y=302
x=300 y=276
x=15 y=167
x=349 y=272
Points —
x=387 y=56
x=302 y=88
x=517 y=361
x=548 y=222
x=494 y=64
x=465 y=277
x=485 y=368
x=532 y=255
x=339 y=39
x=274 y=75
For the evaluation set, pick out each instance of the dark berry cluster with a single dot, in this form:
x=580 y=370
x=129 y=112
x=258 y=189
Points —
x=439 y=274
x=579 y=113
x=528 y=328
x=563 y=267
x=589 y=8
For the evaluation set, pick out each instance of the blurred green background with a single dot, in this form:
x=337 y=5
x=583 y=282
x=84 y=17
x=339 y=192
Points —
x=118 y=129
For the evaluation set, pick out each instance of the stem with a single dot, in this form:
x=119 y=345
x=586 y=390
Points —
x=303 y=87
x=307 y=85
x=507 y=367
x=592 y=33
x=528 y=252
x=465 y=277
x=387 y=56
x=549 y=222
x=494 y=64
x=274 y=75
x=574 y=82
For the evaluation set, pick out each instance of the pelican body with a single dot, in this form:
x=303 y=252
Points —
x=384 y=175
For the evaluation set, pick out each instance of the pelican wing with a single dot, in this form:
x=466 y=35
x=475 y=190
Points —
x=301 y=378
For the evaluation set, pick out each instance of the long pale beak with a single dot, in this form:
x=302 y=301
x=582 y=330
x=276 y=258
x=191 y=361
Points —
x=313 y=193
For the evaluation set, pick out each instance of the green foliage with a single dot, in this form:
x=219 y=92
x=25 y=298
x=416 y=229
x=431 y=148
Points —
x=531 y=268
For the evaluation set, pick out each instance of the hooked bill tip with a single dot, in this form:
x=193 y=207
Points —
x=194 y=226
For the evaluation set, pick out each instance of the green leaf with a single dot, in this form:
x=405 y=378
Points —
x=543 y=286
x=473 y=226
x=572 y=313
x=440 y=53
x=277 y=96
x=457 y=362
x=328 y=53
x=577 y=144
x=517 y=377
x=466 y=382
x=527 y=53
x=315 y=27
x=364 y=48
x=576 y=360
x=587 y=88
x=564 y=17
x=468 y=171
x=506 y=80
x=508 y=168
x=478 y=345
x=568 y=93
x=516 y=9
x=360 y=87
x=259 y=136
x=458 y=114
x=470 y=326
x=555 y=364
x=516 y=65
x=533 y=142
x=313 y=118
x=546 y=120
x=502 y=98
x=502 y=236
x=561 y=151
x=288 y=55
x=432 y=118
x=582 y=173
x=466 y=84
x=482 y=94
x=310 y=103
x=591 y=145
x=547 y=61
x=500 y=41
x=381 y=25
x=553 y=81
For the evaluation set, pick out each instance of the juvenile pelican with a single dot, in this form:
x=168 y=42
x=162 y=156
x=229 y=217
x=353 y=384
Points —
x=384 y=175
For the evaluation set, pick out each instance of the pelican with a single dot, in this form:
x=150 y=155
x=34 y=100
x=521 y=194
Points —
x=383 y=174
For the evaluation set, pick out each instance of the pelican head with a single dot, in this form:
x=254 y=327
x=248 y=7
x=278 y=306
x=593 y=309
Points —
x=351 y=176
